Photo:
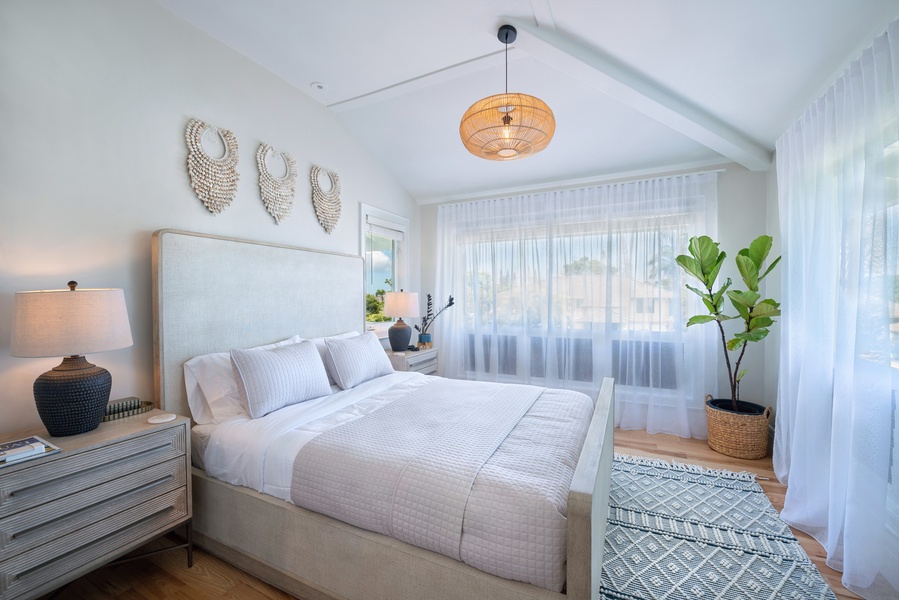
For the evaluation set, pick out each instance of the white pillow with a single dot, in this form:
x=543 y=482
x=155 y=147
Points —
x=272 y=378
x=357 y=359
x=211 y=387
x=326 y=355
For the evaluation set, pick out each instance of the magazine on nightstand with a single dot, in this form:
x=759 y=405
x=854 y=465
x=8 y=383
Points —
x=17 y=451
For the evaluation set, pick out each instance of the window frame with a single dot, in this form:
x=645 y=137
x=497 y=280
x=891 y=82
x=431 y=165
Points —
x=399 y=224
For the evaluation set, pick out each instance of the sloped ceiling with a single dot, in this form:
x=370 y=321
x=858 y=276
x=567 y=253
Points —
x=636 y=86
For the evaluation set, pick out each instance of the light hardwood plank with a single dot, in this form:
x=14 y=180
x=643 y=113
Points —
x=167 y=576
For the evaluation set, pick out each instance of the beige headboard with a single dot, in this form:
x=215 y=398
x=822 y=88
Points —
x=212 y=294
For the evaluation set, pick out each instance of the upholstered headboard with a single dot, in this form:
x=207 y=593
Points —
x=212 y=294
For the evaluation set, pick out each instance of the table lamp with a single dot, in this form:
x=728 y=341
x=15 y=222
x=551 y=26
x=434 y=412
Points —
x=71 y=398
x=400 y=304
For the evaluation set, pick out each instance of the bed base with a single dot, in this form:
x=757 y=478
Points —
x=319 y=558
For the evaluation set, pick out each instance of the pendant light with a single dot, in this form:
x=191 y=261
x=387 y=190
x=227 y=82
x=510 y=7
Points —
x=507 y=126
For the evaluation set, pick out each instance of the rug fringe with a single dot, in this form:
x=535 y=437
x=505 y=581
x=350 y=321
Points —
x=685 y=467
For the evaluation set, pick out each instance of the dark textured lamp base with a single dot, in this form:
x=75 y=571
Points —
x=399 y=335
x=71 y=398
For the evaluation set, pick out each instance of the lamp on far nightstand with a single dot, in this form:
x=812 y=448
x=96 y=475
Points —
x=400 y=304
x=71 y=398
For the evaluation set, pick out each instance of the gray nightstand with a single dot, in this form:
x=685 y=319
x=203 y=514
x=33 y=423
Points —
x=106 y=493
x=423 y=361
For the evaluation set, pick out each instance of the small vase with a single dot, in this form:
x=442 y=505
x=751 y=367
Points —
x=424 y=340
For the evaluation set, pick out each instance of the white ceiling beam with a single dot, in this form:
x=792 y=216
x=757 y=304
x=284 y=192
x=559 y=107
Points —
x=543 y=14
x=638 y=92
x=424 y=81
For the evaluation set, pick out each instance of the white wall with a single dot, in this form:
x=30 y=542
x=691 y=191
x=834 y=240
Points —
x=743 y=204
x=95 y=96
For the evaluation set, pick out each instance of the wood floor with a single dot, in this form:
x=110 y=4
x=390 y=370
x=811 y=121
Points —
x=166 y=575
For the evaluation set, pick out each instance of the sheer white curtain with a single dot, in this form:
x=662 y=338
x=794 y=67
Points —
x=564 y=288
x=835 y=446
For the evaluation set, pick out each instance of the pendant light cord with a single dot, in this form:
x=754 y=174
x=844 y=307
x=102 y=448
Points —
x=507 y=68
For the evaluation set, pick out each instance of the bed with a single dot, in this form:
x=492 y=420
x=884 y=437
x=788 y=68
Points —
x=212 y=294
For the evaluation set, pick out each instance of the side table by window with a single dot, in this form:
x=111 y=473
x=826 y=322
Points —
x=422 y=361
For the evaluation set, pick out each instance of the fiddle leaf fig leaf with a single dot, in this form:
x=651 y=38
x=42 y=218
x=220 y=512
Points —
x=700 y=319
x=757 y=322
x=754 y=335
x=768 y=270
x=749 y=271
x=758 y=250
x=747 y=299
x=705 y=250
x=709 y=306
x=713 y=274
x=698 y=292
x=741 y=374
x=766 y=308
x=735 y=344
x=691 y=266
x=716 y=299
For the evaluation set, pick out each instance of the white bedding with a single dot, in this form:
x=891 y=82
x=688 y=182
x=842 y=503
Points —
x=503 y=535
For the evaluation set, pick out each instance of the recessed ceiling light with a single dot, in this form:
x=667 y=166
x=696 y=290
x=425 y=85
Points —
x=318 y=86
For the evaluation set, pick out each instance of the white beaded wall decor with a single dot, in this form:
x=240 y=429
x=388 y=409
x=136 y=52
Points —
x=327 y=204
x=277 y=194
x=213 y=179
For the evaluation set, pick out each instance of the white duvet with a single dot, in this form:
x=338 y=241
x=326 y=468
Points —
x=515 y=518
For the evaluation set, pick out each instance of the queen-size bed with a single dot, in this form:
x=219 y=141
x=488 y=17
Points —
x=460 y=525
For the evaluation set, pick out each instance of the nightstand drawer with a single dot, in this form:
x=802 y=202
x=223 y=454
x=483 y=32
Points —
x=427 y=366
x=30 y=528
x=422 y=361
x=34 y=568
x=66 y=475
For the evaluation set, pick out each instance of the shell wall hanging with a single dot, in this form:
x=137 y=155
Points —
x=213 y=179
x=277 y=193
x=327 y=204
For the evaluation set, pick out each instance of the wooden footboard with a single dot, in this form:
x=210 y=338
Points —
x=315 y=557
x=588 y=500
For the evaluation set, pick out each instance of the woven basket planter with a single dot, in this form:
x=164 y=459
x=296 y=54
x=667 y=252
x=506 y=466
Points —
x=738 y=434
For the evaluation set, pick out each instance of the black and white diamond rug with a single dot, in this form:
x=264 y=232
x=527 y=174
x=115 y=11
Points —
x=685 y=532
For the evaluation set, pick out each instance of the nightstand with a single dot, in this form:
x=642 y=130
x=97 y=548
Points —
x=106 y=493
x=422 y=361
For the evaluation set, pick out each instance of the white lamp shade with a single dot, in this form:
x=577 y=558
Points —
x=69 y=323
x=401 y=304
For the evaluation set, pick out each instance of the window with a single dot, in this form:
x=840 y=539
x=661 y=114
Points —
x=383 y=235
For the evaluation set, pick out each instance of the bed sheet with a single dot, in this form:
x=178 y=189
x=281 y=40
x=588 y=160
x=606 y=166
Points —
x=259 y=453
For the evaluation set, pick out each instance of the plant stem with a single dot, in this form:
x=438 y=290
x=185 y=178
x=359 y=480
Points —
x=731 y=380
x=736 y=396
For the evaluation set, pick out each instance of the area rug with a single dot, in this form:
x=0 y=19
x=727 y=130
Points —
x=686 y=532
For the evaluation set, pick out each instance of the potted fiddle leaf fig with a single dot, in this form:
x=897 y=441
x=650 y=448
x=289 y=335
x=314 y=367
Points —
x=736 y=427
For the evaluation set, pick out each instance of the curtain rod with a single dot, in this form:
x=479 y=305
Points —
x=575 y=184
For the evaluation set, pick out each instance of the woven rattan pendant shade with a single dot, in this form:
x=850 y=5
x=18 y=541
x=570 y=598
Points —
x=507 y=126
x=530 y=128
